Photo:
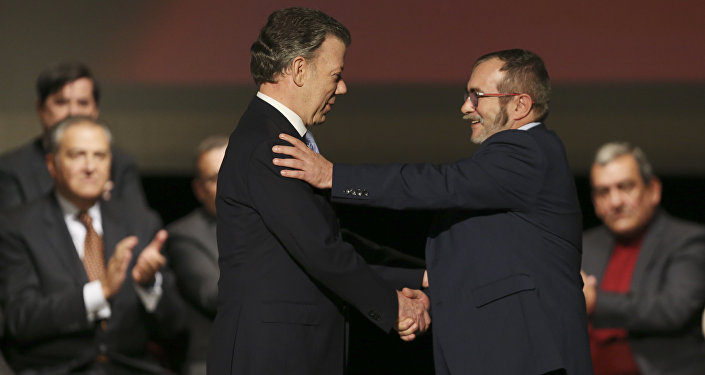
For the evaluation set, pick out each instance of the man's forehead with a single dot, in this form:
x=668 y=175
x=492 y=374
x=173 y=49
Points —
x=620 y=170
x=485 y=75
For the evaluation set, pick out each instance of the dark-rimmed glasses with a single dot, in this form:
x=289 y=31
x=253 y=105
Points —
x=475 y=96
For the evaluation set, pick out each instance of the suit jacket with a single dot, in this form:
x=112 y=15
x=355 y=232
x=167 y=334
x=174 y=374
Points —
x=25 y=177
x=193 y=256
x=285 y=273
x=662 y=310
x=503 y=253
x=42 y=278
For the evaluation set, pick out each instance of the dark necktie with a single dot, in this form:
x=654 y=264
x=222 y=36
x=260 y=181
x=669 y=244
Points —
x=310 y=142
x=93 y=257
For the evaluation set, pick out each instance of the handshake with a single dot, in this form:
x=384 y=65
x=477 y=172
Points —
x=413 y=312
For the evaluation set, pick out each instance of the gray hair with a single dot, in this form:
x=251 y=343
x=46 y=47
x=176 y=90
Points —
x=53 y=141
x=210 y=143
x=289 y=33
x=612 y=150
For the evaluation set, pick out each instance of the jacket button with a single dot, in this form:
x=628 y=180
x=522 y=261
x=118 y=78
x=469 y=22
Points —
x=374 y=315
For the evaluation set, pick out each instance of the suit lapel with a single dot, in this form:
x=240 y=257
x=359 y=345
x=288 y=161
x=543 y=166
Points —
x=648 y=252
x=58 y=239
x=113 y=231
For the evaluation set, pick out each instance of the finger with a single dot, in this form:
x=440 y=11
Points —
x=404 y=324
x=288 y=163
x=288 y=150
x=291 y=173
x=409 y=331
x=294 y=141
x=408 y=292
x=127 y=243
x=408 y=338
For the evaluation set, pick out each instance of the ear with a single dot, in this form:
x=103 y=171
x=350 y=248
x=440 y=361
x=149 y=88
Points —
x=655 y=189
x=50 y=160
x=522 y=106
x=198 y=190
x=298 y=70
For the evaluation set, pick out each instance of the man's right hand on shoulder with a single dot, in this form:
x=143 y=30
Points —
x=305 y=163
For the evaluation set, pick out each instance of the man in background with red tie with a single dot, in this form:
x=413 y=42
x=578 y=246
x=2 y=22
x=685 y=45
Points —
x=644 y=273
x=83 y=280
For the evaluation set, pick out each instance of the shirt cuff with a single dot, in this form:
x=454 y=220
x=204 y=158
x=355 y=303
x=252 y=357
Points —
x=97 y=307
x=150 y=296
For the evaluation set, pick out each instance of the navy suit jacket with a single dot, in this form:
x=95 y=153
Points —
x=503 y=253
x=286 y=276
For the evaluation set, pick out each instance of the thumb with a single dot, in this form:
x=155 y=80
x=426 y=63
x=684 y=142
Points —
x=158 y=241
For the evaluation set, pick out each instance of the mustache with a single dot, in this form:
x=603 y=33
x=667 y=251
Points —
x=474 y=118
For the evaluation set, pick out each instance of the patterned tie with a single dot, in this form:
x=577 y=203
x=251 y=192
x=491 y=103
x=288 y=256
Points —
x=310 y=142
x=93 y=257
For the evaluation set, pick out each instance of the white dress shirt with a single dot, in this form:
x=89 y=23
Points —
x=290 y=115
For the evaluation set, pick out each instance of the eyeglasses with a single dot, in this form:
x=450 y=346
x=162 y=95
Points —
x=474 y=96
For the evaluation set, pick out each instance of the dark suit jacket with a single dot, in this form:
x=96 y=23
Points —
x=192 y=250
x=25 y=177
x=662 y=311
x=503 y=255
x=42 y=279
x=285 y=273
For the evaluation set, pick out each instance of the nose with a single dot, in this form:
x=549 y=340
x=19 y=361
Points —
x=467 y=107
x=74 y=109
x=342 y=88
x=90 y=164
x=615 y=198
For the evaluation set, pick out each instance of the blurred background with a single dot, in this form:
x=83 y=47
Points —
x=174 y=72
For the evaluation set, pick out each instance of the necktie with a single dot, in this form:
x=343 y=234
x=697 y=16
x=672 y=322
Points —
x=93 y=257
x=310 y=142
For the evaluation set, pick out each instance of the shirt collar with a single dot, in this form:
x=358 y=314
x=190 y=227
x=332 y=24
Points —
x=528 y=126
x=290 y=115
x=71 y=212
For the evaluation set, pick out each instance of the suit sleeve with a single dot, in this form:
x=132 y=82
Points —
x=304 y=222
x=29 y=314
x=679 y=299
x=196 y=277
x=504 y=174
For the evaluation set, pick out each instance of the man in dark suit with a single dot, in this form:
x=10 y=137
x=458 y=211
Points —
x=80 y=295
x=286 y=277
x=503 y=255
x=645 y=273
x=64 y=89
x=193 y=253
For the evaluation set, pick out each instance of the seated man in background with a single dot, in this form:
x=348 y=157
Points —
x=193 y=253
x=83 y=280
x=644 y=273
x=63 y=89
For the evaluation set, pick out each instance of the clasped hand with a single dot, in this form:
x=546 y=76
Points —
x=413 y=313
